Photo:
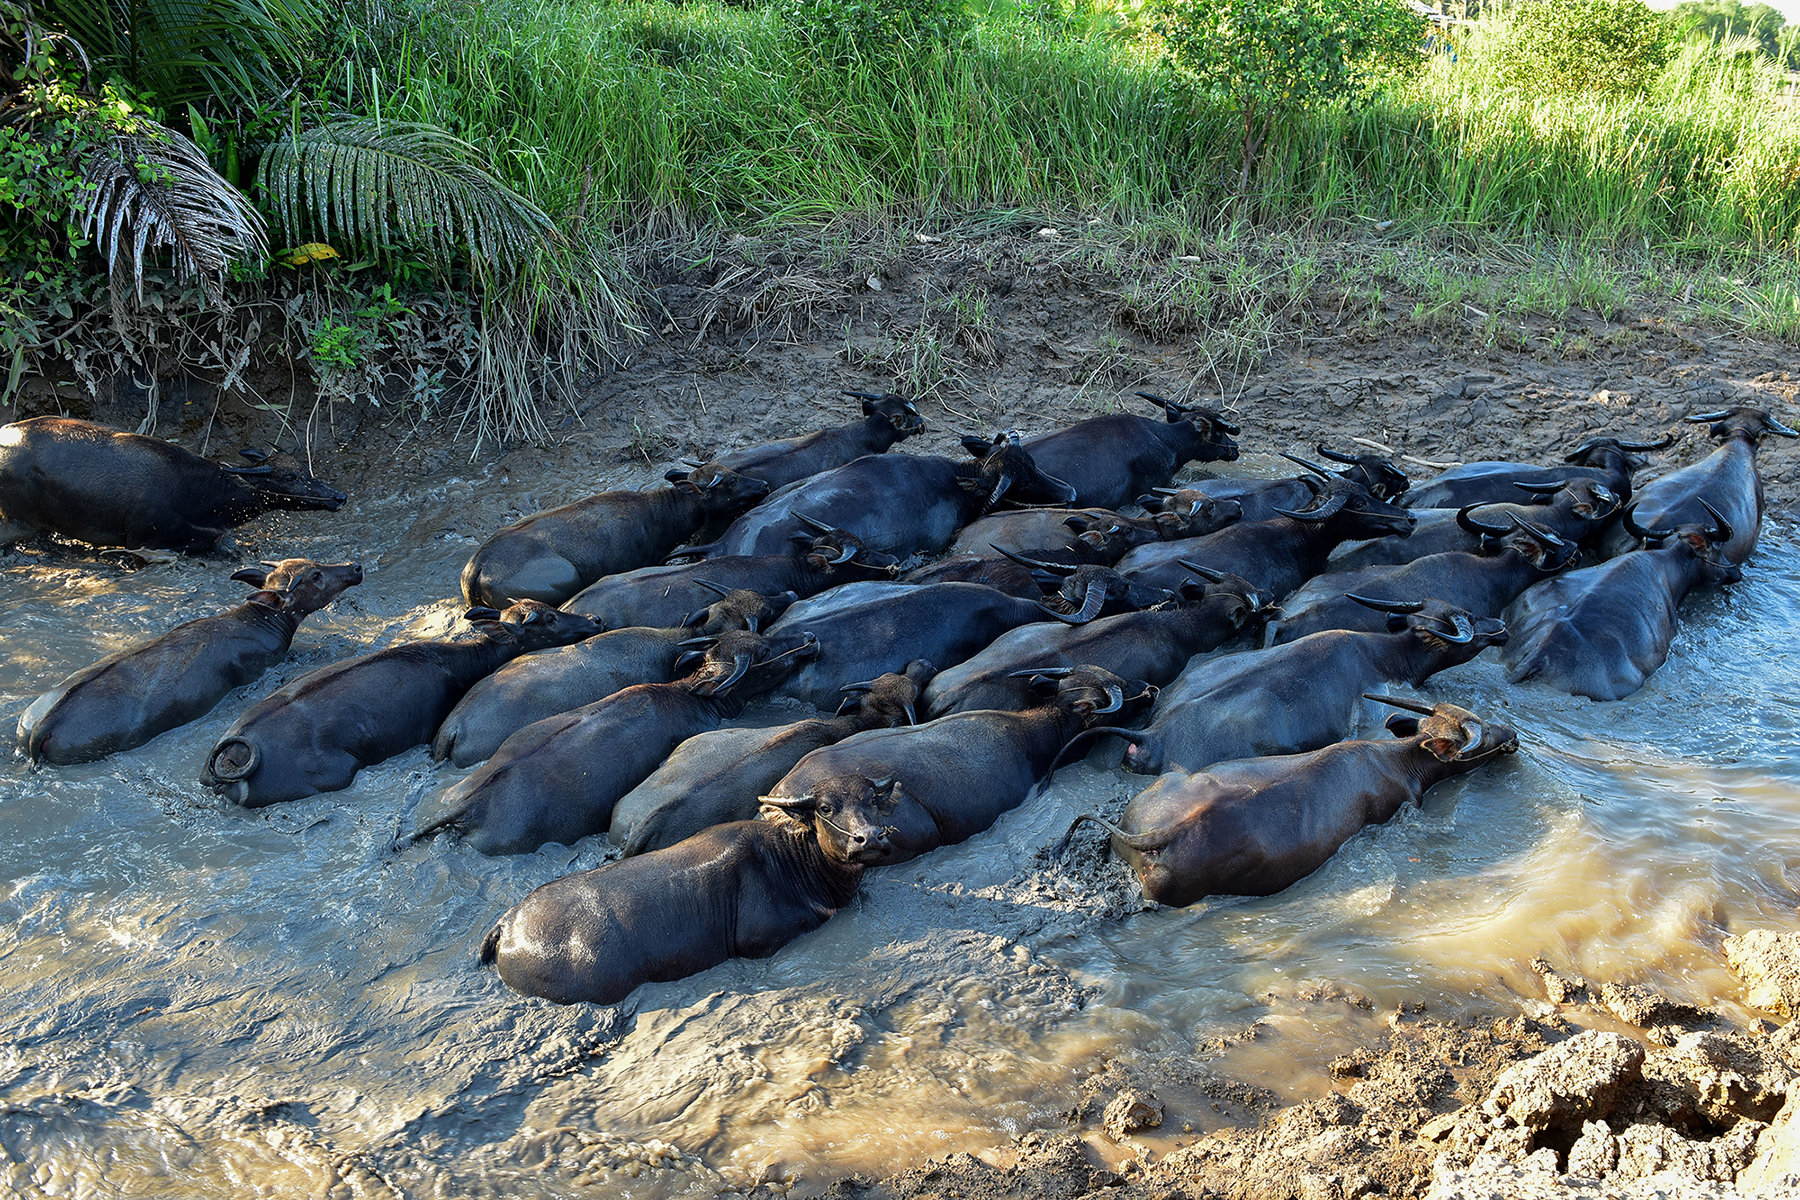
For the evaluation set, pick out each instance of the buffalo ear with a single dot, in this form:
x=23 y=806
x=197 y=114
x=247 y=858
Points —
x=978 y=446
x=274 y=600
x=1402 y=727
x=692 y=658
x=254 y=576
x=1443 y=749
x=481 y=613
x=887 y=792
x=675 y=475
x=253 y=454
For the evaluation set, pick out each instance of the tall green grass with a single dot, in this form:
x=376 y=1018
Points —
x=655 y=117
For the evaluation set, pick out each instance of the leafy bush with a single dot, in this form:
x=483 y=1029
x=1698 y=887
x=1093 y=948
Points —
x=1558 y=46
x=1269 y=60
x=876 y=29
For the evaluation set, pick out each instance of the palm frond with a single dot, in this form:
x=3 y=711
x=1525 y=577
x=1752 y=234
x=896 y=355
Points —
x=151 y=191
x=387 y=184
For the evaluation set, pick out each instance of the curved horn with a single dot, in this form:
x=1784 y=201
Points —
x=263 y=470
x=1324 y=512
x=1778 y=429
x=1315 y=468
x=1334 y=456
x=1667 y=441
x=788 y=801
x=1141 y=842
x=1091 y=604
x=1054 y=568
x=867 y=685
x=1158 y=401
x=1708 y=418
x=717 y=589
x=1116 y=695
x=864 y=395
x=1548 y=538
x=1469 y=524
x=1721 y=531
x=1464 y=630
x=1000 y=486
x=1046 y=672
x=1412 y=706
x=1403 y=607
x=243 y=770
x=812 y=522
x=740 y=664
x=1638 y=531
x=1540 y=489
x=1206 y=573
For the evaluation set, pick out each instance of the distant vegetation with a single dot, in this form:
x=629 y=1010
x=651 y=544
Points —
x=465 y=180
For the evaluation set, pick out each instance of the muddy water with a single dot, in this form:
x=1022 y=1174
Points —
x=204 y=1001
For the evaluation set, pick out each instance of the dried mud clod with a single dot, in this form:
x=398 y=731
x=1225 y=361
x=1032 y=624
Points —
x=1769 y=963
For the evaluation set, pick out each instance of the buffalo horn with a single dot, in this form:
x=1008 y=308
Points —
x=263 y=470
x=1667 y=441
x=1052 y=567
x=1470 y=525
x=867 y=685
x=1638 y=531
x=740 y=664
x=1464 y=630
x=1721 y=531
x=1206 y=573
x=864 y=395
x=1403 y=607
x=812 y=522
x=1315 y=468
x=1778 y=429
x=1116 y=697
x=1708 y=418
x=1091 y=604
x=717 y=589
x=1412 y=706
x=700 y=643
x=1159 y=402
x=1324 y=512
x=481 y=613
x=1046 y=672
x=788 y=801
x=1545 y=488
x=1000 y=486
x=1548 y=538
x=844 y=556
x=1334 y=456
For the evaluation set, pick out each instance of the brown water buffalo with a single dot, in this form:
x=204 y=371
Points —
x=1257 y=826
x=109 y=488
x=543 y=684
x=1601 y=632
x=716 y=777
x=552 y=555
x=556 y=780
x=742 y=890
x=957 y=774
x=316 y=733
x=129 y=697
x=1076 y=535
x=1110 y=459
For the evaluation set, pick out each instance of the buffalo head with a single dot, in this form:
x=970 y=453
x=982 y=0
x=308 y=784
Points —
x=1005 y=470
x=849 y=815
x=1355 y=511
x=1588 y=499
x=831 y=551
x=722 y=492
x=298 y=585
x=1442 y=627
x=892 y=697
x=1547 y=552
x=1185 y=513
x=1448 y=733
x=1704 y=542
x=533 y=625
x=751 y=663
x=281 y=480
x=1090 y=692
x=1252 y=602
x=1212 y=432
x=737 y=608
x=1107 y=536
x=897 y=409
x=1384 y=480
x=1753 y=423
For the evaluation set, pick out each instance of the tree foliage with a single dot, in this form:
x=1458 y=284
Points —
x=1268 y=60
x=1555 y=46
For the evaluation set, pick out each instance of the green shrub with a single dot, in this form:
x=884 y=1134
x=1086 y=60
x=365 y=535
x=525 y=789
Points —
x=1560 y=46
x=876 y=29
x=1269 y=60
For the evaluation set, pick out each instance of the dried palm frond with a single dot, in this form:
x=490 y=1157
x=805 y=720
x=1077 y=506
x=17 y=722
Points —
x=386 y=184
x=154 y=190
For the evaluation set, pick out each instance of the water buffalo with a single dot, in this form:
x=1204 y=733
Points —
x=552 y=555
x=1607 y=459
x=990 y=570
x=1282 y=552
x=316 y=733
x=887 y=419
x=1108 y=460
x=1601 y=632
x=108 y=488
x=551 y=681
x=957 y=774
x=1257 y=826
x=1152 y=645
x=129 y=697
x=742 y=890
x=1076 y=595
x=1075 y=535
x=556 y=780
x=1727 y=479
x=1483 y=583
x=869 y=629
x=663 y=596
x=716 y=777
x=1260 y=499
x=897 y=504
x=1576 y=510
x=1302 y=695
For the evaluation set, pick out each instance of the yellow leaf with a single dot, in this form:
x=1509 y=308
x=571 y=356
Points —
x=299 y=256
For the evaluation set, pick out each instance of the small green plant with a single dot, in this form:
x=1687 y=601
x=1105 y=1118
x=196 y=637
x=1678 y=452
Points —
x=1559 y=46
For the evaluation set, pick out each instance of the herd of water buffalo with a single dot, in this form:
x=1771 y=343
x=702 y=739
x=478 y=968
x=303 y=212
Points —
x=1069 y=602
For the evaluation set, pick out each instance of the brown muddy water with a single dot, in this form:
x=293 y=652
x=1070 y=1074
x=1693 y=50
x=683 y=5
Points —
x=204 y=1001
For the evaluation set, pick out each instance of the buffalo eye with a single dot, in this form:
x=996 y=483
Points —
x=318 y=577
x=826 y=810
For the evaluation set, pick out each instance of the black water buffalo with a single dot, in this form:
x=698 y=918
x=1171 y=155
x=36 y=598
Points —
x=129 y=697
x=316 y=733
x=1076 y=535
x=551 y=681
x=1601 y=632
x=1152 y=645
x=1077 y=595
x=1257 y=826
x=663 y=596
x=1607 y=459
x=1483 y=583
x=990 y=570
x=1576 y=510
x=887 y=420
x=957 y=774
x=717 y=776
x=869 y=629
x=1727 y=479
x=897 y=504
x=1281 y=553
x=109 y=488
x=556 y=780
x=742 y=890
x=552 y=555
x=1299 y=696
x=1260 y=499
x=1108 y=460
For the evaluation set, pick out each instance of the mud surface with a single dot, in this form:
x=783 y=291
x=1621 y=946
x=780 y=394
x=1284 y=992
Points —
x=1349 y=1082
